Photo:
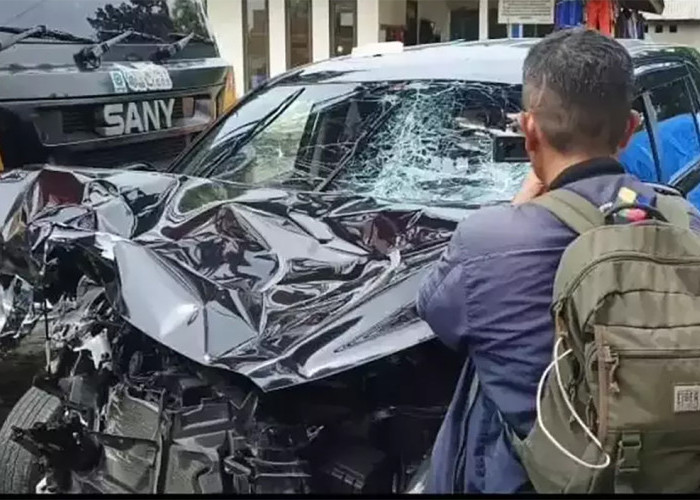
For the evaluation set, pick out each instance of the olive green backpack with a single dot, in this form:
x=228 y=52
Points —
x=619 y=406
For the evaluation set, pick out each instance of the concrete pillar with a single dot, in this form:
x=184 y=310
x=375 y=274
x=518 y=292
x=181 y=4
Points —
x=321 y=27
x=367 y=22
x=278 y=36
x=483 y=19
x=226 y=20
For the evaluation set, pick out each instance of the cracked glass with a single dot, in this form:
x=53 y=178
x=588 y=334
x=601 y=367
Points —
x=424 y=142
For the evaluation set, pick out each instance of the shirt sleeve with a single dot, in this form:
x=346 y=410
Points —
x=442 y=299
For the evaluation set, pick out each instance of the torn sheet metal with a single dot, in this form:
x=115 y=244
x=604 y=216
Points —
x=281 y=287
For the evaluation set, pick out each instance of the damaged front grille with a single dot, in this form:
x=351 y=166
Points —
x=141 y=419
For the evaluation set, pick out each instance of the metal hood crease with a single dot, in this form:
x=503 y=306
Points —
x=280 y=287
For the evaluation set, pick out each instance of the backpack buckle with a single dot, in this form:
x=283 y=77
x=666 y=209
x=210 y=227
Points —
x=628 y=451
x=627 y=461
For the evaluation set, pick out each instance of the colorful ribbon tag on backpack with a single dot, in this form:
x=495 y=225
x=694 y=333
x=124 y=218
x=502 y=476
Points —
x=630 y=215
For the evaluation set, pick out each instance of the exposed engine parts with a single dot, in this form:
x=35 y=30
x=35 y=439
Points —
x=139 y=418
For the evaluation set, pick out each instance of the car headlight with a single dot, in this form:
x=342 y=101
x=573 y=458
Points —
x=229 y=96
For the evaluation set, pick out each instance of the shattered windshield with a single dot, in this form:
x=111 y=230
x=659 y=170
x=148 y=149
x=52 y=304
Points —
x=425 y=142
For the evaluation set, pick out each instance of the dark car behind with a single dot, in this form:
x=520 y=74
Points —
x=60 y=105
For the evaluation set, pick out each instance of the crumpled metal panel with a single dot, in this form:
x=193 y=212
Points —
x=281 y=287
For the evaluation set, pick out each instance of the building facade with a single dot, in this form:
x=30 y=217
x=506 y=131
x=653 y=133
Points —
x=263 y=38
x=679 y=23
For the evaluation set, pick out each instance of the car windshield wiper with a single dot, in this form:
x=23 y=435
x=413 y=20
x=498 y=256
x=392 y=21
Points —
x=195 y=36
x=168 y=51
x=136 y=34
x=91 y=57
x=39 y=31
x=256 y=129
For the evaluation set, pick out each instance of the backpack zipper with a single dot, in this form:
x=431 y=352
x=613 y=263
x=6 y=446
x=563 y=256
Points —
x=656 y=354
x=611 y=361
x=621 y=256
x=560 y=326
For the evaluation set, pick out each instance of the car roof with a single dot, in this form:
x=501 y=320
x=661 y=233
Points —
x=497 y=61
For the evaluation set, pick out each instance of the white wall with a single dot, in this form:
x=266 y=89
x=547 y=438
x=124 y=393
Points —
x=278 y=36
x=367 y=22
x=226 y=20
x=320 y=25
x=688 y=32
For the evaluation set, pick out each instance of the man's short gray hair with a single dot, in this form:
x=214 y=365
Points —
x=579 y=84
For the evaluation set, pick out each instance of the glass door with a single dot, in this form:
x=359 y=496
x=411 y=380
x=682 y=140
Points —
x=256 y=42
x=343 y=15
x=299 y=42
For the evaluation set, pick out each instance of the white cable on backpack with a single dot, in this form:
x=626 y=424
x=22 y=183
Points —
x=589 y=433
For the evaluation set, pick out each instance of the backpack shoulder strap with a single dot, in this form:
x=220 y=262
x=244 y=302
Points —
x=675 y=209
x=572 y=209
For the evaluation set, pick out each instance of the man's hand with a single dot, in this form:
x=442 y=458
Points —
x=531 y=189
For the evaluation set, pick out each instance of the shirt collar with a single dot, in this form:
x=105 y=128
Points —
x=590 y=168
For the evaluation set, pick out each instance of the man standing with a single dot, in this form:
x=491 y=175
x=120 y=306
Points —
x=489 y=297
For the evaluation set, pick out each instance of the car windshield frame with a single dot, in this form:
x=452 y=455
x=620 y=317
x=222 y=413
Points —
x=383 y=106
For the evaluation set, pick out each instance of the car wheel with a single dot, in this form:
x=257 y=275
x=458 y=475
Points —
x=20 y=470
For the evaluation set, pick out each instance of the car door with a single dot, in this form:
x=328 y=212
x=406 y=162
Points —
x=687 y=179
x=669 y=141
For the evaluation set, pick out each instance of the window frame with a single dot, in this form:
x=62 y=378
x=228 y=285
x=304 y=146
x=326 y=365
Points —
x=689 y=179
x=651 y=78
x=246 y=64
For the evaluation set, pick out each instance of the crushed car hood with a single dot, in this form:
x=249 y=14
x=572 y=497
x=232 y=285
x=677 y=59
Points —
x=282 y=287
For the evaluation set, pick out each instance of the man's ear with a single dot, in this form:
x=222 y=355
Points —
x=633 y=122
x=529 y=130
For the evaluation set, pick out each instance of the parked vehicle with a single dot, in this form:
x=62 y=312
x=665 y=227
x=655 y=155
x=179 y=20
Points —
x=106 y=82
x=245 y=323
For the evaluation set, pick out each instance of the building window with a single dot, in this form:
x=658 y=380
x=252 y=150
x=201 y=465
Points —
x=673 y=28
x=299 y=42
x=411 y=22
x=343 y=26
x=659 y=28
x=256 y=41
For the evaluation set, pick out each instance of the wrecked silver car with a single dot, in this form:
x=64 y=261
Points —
x=246 y=323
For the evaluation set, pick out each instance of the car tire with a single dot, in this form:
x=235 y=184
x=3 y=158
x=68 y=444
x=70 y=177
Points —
x=21 y=470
